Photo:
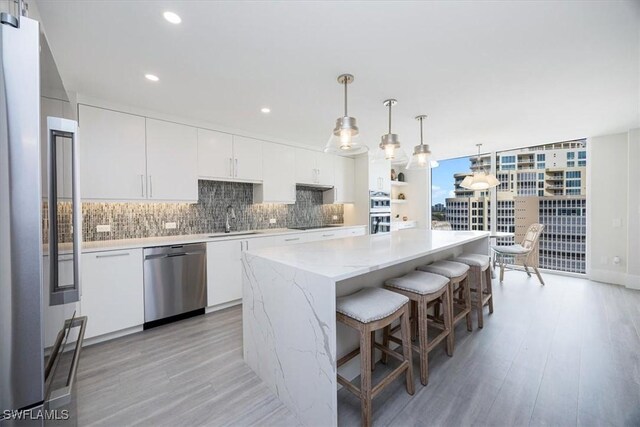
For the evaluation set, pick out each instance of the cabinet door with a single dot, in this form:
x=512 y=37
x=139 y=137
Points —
x=306 y=166
x=215 y=154
x=224 y=271
x=247 y=162
x=380 y=176
x=112 y=291
x=112 y=154
x=172 y=158
x=326 y=166
x=344 y=180
x=279 y=182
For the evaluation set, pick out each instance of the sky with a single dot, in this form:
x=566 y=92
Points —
x=442 y=178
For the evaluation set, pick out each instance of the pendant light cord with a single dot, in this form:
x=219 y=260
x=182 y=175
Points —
x=389 y=117
x=421 y=139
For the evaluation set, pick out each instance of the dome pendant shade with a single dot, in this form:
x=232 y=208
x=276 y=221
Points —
x=343 y=140
x=390 y=141
x=479 y=180
x=421 y=153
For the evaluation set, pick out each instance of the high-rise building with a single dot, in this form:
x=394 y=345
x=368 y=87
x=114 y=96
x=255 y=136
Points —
x=544 y=184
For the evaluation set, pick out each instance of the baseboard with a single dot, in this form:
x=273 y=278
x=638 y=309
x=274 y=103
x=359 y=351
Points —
x=633 y=281
x=616 y=278
x=222 y=306
x=111 y=336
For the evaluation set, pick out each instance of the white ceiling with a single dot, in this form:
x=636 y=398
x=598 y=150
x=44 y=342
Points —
x=505 y=74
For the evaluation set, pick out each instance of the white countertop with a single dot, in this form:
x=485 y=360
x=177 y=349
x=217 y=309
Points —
x=353 y=256
x=113 y=245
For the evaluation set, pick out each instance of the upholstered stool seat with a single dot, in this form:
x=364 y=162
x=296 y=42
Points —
x=474 y=260
x=419 y=282
x=424 y=290
x=370 y=304
x=480 y=281
x=459 y=290
x=366 y=311
x=446 y=268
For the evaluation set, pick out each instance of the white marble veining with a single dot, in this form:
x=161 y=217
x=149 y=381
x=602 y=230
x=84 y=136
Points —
x=345 y=258
x=291 y=338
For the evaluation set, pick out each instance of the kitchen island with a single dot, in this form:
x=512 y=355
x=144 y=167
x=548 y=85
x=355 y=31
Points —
x=290 y=335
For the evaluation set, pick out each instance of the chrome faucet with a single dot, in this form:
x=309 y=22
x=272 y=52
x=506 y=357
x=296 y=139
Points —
x=227 y=226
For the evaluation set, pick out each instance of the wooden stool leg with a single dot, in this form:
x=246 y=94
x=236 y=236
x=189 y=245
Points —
x=414 y=320
x=448 y=320
x=373 y=350
x=481 y=277
x=385 y=342
x=490 y=291
x=451 y=313
x=405 y=332
x=467 y=302
x=365 y=377
x=423 y=343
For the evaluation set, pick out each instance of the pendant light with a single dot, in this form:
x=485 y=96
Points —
x=389 y=142
x=343 y=140
x=479 y=180
x=421 y=153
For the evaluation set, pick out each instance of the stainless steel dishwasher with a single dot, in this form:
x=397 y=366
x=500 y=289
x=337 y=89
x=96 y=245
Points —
x=175 y=283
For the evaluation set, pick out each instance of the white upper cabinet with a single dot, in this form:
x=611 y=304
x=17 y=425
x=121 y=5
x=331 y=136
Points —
x=305 y=166
x=228 y=157
x=344 y=180
x=325 y=165
x=215 y=155
x=314 y=168
x=278 y=169
x=247 y=159
x=380 y=176
x=112 y=155
x=172 y=156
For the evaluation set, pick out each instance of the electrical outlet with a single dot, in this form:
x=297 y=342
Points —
x=170 y=225
x=616 y=260
x=335 y=217
x=104 y=228
x=272 y=221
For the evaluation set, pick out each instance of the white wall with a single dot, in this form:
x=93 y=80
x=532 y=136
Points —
x=613 y=208
x=633 y=218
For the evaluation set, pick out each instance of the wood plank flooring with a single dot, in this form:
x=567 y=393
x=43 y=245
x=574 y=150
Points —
x=564 y=354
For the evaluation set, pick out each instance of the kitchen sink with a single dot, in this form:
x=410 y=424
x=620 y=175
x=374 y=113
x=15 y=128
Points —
x=238 y=233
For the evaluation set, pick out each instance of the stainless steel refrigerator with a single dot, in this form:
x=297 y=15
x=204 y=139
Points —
x=40 y=228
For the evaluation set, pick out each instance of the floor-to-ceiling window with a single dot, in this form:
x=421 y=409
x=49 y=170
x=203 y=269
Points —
x=543 y=184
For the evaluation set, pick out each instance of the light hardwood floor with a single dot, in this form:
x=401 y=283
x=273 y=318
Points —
x=564 y=354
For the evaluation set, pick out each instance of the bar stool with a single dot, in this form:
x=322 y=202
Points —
x=366 y=311
x=424 y=290
x=456 y=272
x=479 y=272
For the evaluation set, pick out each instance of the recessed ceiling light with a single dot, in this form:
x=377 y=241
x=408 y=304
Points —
x=265 y=110
x=172 y=17
x=151 y=77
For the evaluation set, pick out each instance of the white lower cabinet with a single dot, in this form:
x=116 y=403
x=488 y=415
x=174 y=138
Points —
x=224 y=271
x=112 y=291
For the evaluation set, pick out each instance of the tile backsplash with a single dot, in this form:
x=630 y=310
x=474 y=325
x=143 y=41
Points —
x=135 y=220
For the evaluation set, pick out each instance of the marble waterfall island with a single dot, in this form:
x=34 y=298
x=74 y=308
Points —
x=290 y=336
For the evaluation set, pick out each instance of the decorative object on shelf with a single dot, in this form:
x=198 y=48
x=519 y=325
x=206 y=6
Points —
x=393 y=175
x=343 y=140
x=421 y=153
x=401 y=177
x=405 y=218
x=401 y=196
x=389 y=142
x=479 y=180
